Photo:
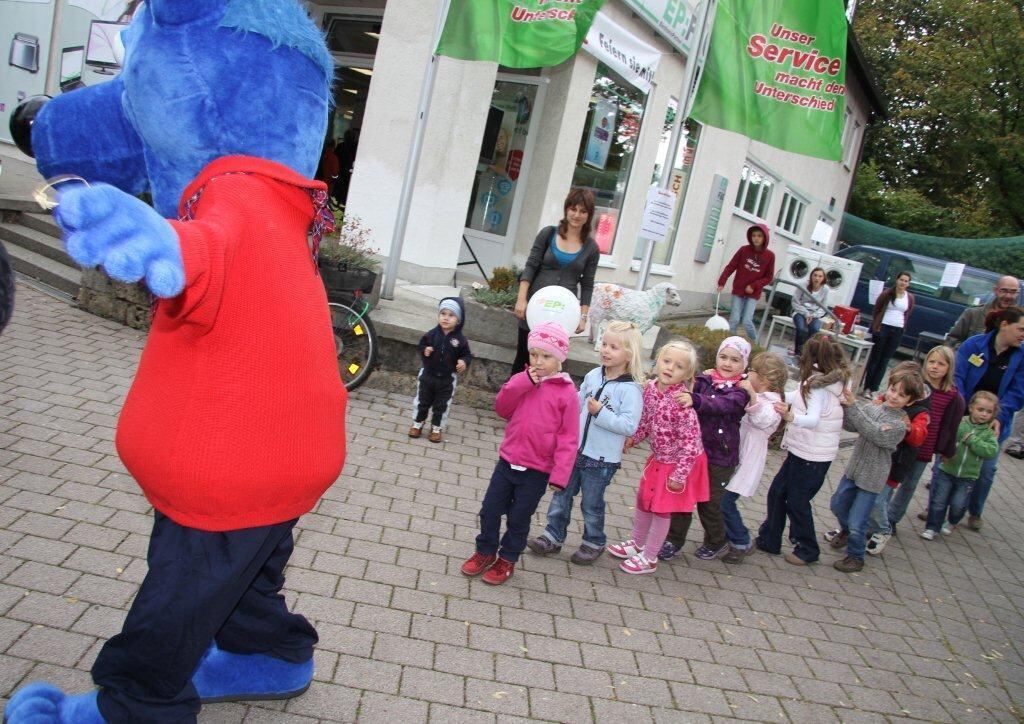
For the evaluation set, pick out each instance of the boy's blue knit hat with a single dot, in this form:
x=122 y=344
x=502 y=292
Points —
x=452 y=306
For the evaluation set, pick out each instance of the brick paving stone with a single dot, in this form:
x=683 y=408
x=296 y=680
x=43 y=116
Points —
x=929 y=631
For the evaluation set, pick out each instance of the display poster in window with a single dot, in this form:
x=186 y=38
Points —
x=776 y=72
x=602 y=130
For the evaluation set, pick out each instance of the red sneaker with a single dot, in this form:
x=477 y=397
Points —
x=500 y=572
x=477 y=564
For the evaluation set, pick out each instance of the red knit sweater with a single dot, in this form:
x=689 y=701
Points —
x=236 y=417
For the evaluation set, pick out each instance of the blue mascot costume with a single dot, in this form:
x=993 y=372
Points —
x=234 y=424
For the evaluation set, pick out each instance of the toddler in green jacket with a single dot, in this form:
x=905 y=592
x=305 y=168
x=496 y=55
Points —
x=976 y=441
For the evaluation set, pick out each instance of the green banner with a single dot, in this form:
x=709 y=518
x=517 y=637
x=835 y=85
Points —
x=516 y=34
x=776 y=72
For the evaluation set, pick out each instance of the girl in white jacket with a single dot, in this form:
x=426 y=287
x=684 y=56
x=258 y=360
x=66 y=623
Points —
x=765 y=383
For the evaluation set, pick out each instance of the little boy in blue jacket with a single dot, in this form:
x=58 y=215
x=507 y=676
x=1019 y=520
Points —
x=445 y=354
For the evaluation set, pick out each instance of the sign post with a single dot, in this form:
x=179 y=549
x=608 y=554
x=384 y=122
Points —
x=658 y=212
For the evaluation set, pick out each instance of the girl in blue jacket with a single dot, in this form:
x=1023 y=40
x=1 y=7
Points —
x=611 y=402
x=992 y=362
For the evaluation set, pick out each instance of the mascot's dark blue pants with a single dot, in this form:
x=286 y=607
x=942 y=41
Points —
x=201 y=586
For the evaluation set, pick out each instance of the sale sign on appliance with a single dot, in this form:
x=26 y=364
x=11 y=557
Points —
x=776 y=72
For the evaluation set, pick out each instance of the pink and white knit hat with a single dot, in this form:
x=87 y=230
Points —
x=739 y=344
x=550 y=337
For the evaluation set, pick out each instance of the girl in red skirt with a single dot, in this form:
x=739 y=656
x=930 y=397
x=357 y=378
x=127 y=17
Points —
x=675 y=477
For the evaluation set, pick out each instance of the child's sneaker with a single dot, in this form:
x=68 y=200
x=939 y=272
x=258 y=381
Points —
x=415 y=431
x=542 y=546
x=586 y=555
x=477 y=564
x=435 y=434
x=838 y=539
x=639 y=564
x=948 y=529
x=849 y=565
x=500 y=572
x=928 y=534
x=736 y=555
x=625 y=549
x=668 y=551
x=877 y=543
x=709 y=554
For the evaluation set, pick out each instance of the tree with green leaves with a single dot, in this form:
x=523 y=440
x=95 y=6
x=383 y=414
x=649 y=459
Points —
x=949 y=161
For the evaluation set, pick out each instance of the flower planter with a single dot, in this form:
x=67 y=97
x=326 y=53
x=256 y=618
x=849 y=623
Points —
x=492 y=325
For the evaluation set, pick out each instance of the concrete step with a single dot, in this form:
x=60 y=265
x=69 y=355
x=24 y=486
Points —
x=40 y=242
x=41 y=222
x=60 y=276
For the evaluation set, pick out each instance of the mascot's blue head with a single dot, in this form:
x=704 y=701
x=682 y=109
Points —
x=202 y=79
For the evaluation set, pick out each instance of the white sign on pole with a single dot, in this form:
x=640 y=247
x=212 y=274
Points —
x=951 y=274
x=875 y=287
x=626 y=54
x=657 y=214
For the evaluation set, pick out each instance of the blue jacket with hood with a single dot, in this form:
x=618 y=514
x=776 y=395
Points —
x=448 y=348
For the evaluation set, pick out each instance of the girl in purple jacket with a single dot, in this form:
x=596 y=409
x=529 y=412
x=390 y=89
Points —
x=539 y=448
x=720 y=403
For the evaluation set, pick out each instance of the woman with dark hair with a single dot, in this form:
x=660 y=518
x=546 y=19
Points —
x=992 y=362
x=565 y=255
x=892 y=311
x=809 y=307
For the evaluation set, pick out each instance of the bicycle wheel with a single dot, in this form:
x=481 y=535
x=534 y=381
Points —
x=355 y=341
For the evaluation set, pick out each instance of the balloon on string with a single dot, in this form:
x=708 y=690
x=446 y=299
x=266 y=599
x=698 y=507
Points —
x=554 y=304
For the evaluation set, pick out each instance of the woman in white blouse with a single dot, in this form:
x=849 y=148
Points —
x=892 y=310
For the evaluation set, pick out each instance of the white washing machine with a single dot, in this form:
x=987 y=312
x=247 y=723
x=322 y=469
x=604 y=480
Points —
x=841 y=275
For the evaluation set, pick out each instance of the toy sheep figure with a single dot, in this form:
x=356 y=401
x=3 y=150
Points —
x=611 y=301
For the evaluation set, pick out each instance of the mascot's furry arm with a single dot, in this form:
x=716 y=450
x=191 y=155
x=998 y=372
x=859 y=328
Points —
x=106 y=227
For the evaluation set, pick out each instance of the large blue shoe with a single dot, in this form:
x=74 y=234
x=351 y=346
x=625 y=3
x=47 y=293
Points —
x=224 y=676
x=41 y=703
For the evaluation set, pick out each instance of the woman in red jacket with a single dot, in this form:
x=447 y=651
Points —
x=754 y=265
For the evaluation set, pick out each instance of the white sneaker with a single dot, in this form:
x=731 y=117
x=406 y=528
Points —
x=831 y=534
x=948 y=529
x=877 y=543
x=639 y=564
x=625 y=549
x=928 y=534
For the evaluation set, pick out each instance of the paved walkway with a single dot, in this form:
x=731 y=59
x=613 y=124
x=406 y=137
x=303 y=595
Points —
x=931 y=631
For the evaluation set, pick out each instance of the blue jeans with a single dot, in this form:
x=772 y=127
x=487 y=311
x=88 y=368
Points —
x=516 y=495
x=804 y=330
x=735 y=531
x=879 y=520
x=790 y=494
x=979 y=494
x=592 y=481
x=742 y=312
x=901 y=498
x=852 y=508
x=948 y=493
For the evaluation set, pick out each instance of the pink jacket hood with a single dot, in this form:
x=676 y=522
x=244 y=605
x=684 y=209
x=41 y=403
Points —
x=543 y=424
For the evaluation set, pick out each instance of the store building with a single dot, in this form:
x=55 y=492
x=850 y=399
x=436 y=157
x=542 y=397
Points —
x=502 y=147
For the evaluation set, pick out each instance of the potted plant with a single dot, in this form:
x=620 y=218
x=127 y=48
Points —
x=348 y=261
x=489 y=316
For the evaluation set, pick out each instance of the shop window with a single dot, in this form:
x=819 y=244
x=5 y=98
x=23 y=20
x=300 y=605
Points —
x=607 y=148
x=679 y=181
x=791 y=213
x=755 y=192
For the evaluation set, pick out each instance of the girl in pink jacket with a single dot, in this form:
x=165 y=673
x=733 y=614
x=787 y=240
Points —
x=675 y=477
x=539 y=448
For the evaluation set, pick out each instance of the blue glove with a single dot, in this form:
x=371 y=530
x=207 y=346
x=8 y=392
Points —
x=105 y=226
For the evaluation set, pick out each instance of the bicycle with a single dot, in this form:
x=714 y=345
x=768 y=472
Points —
x=355 y=339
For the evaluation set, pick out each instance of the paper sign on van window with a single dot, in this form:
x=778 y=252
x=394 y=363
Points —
x=875 y=287
x=951 y=274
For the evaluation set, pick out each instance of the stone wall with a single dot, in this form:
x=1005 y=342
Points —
x=129 y=304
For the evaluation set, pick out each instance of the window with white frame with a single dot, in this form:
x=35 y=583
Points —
x=755 y=192
x=791 y=213
x=851 y=138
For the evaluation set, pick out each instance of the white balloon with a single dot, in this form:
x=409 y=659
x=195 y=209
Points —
x=554 y=304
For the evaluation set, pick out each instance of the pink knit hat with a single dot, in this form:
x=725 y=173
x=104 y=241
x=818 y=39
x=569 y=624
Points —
x=550 y=337
x=739 y=344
